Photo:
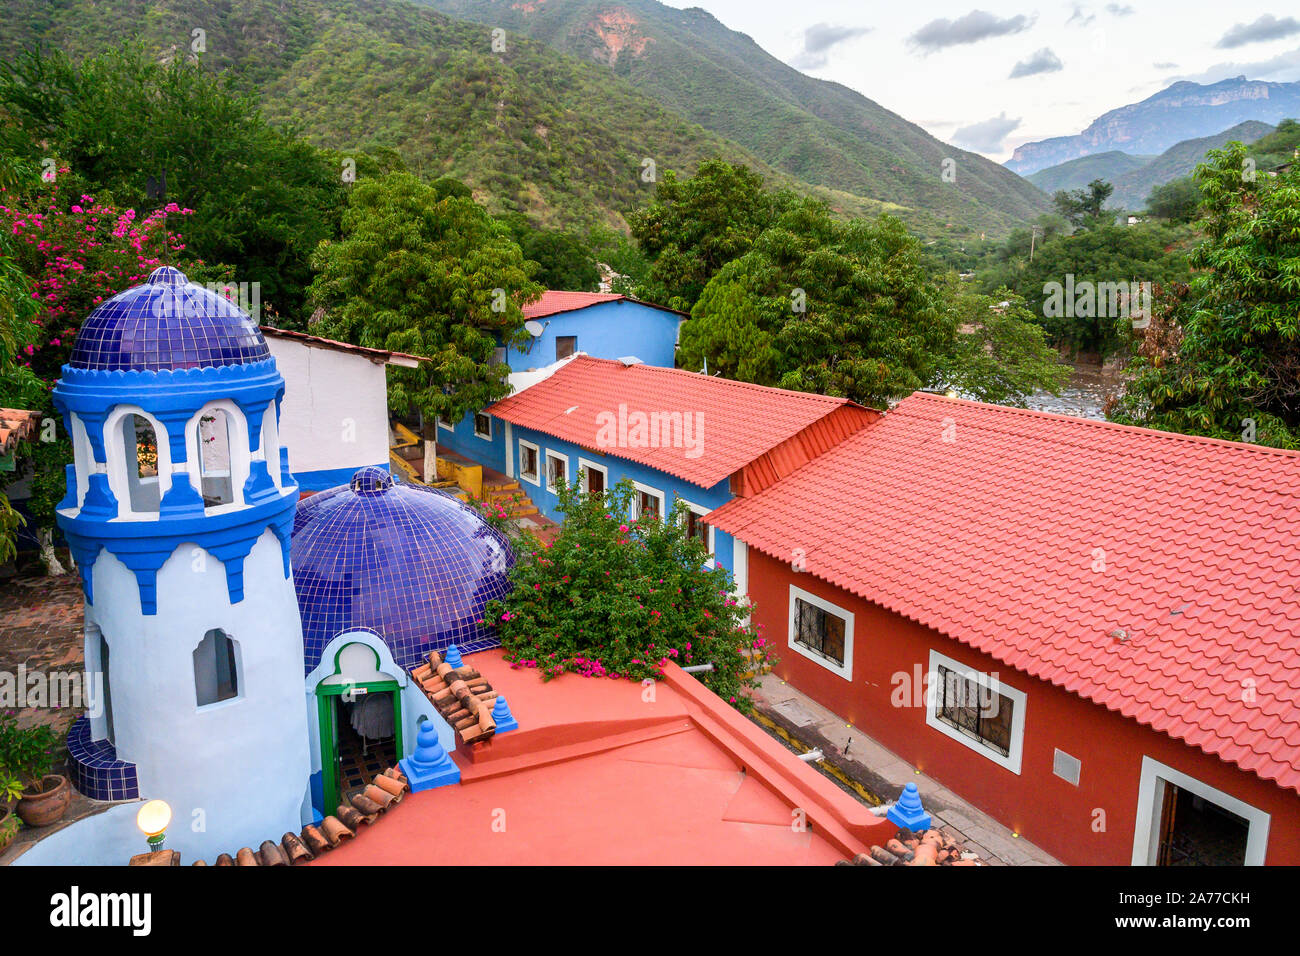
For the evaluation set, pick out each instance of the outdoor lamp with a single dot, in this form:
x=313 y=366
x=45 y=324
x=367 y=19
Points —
x=152 y=821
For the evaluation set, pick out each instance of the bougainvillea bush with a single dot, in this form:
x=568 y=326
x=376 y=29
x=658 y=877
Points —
x=616 y=597
x=78 y=252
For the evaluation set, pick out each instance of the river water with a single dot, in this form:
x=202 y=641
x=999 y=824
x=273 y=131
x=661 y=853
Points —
x=1084 y=394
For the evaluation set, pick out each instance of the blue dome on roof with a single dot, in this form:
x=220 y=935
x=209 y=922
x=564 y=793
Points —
x=413 y=564
x=168 y=322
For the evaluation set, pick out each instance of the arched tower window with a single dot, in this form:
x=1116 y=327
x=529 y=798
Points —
x=217 y=438
x=216 y=668
x=140 y=446
x=214 y=457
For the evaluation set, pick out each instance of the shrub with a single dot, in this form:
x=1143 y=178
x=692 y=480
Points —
x=26 y=752
x=616 y=597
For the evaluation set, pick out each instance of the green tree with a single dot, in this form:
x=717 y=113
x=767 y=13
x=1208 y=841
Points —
x=1000 y=353
x=564 y=260
x=427 y=274
x=19 y=387
x=838 y=308
x=1222 y=359
x=1082 y=207
x=1176 y=200
x=697 y=225
x=262 y=197
x=1153 y=253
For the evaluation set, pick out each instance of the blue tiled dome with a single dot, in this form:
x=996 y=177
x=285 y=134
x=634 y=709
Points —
x=167 y=323
x=411 y=563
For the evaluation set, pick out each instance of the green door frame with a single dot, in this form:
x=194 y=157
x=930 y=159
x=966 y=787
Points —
x=328 y=739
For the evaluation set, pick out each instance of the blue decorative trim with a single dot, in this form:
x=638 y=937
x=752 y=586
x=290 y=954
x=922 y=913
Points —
x=144 y=546
x=173 y=396
x=329 y=477
x=94 y=768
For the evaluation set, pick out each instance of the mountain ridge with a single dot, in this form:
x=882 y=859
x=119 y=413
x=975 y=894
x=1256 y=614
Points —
x=816 y=130
x=1181 y=111
x=1134 y=177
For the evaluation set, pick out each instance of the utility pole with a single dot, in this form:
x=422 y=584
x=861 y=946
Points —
x=1033 y=234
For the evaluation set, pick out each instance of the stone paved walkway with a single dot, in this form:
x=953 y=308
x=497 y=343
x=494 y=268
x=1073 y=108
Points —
x=40 y=629
x=882 y=773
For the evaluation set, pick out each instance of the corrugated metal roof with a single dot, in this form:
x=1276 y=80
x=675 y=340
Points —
x=1155 y=574
x=730 y=423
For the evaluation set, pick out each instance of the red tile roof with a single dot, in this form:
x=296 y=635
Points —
x=736 y=424
x=16 y=424
x=554 y=302
x=1152 y=573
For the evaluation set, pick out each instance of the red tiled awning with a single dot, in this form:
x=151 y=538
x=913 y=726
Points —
x=1155 y=574
x=735 y=422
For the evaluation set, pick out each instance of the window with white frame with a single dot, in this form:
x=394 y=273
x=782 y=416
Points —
x=483 y=425
x=446 y=423
x=557 y=470
x=595 y=478
x=529 y=458
x=976 y=709
x=647 y=501
x=821 y=631
x=696 y=527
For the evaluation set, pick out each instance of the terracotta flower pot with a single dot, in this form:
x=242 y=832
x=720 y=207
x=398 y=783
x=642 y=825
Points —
x=49 y=804
x=9 y=825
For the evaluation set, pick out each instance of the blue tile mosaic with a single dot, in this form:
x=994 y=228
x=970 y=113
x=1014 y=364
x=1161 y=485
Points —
x=413 y=564
x=167 y=323
x=94 y=768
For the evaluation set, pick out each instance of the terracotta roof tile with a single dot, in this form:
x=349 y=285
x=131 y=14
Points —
x=461 y=695
x=15 y=425
x=554 y=301
x=386 y=791
x=1152 y=573
x=735 y=424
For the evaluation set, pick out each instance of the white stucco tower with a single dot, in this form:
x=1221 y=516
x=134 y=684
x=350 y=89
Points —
x=178 y=511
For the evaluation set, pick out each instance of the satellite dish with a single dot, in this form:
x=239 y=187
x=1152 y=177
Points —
x=534 y=328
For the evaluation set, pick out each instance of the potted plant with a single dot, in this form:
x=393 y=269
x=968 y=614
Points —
x=10 y=790
x=28 y=754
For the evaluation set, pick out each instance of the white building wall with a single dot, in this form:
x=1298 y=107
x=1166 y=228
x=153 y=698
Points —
x=235 y=772
x=335 y=410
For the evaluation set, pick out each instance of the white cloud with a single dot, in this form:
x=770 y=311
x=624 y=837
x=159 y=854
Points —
x=1267 y=27
x=973 y=27
x=818 y=40
x=1044 y=61
x=986 y=136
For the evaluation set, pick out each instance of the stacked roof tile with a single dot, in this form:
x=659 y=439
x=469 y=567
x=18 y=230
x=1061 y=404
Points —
x=461 y=695
x=365 y=808
x=1153 y=573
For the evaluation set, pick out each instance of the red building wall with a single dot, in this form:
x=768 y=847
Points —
x=1054 y=814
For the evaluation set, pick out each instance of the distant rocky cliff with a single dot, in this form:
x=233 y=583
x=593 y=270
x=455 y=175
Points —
x=1182 y=111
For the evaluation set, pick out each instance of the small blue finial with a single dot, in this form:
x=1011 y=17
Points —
x=502 y=717
x=908 y=812
x=430 y=766
x=453 y=657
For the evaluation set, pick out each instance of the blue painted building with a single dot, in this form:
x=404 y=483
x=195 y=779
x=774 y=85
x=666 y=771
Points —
x=676 y=435
x=564 y=324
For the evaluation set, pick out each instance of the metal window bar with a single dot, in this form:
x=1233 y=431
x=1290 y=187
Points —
x=961 y=705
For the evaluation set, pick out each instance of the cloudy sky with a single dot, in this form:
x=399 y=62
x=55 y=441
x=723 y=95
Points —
x=989 y=75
